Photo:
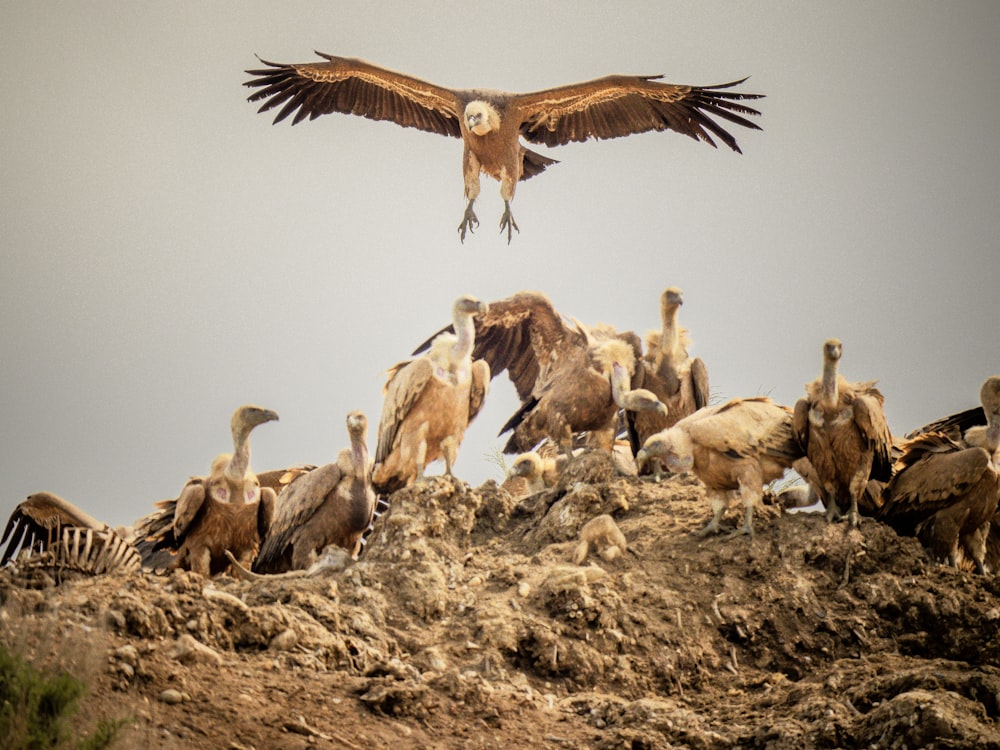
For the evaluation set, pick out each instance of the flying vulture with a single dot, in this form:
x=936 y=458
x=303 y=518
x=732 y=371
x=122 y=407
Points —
x=225 y=510
x=734 y=448
x=563 y=374
x=680 y=382
x=332 y=504
x=429 y=403
x=45 y=529
x=946 y=488
x=491 y=123
x=842 y=429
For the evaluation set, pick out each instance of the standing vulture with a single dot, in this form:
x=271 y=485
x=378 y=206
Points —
x=332 y=504
x=45 y=529
x=946 y=488
x=429 y=403
x=680 y=382
x=225 y=510
x=842 y=429
x=491 y=123
x=563 y=374
x=734 y=449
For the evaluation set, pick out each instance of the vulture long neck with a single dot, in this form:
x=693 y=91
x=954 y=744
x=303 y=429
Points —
x=621 y=383
x=239 y=464
x=671 y=334
x=829 y=395
x=465 y=329
x=359 y=453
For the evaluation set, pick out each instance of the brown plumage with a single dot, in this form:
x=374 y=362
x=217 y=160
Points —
x=429 y=402
x=491 y=123
x=46 y=530
x=946 y=489
x=680 y=382
x=527 y=475
x=332 y=504
x=842 y=429
x=225 y=510
x=734 y=449
x=563 y=373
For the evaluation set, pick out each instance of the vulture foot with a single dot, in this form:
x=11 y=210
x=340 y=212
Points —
x=711 y=528
x=469 y=222
x=507 y=221
x=744 y=530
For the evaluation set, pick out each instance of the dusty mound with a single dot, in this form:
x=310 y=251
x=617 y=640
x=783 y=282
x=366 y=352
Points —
x=467 y=624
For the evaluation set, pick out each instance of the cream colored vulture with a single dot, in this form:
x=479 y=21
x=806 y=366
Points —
x=332 y=504
x=564 y=374
x=429 y=402
x=44 y=529
x=946 y=488
x=734 y=448
x=225 y=510
x=843 y=431
x=676 y=379
x=491 y=123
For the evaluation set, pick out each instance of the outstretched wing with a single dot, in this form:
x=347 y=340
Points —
x=522 y=334
x=37 y=522
x=618 y=105
x=355 y=87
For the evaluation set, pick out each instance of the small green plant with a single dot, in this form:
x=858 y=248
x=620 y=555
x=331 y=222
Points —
x=35 y=707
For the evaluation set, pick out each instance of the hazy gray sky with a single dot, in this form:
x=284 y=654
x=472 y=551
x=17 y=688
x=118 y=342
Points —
x=168 y=254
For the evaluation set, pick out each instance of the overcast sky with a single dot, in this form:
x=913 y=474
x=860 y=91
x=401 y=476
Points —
x=168 y=254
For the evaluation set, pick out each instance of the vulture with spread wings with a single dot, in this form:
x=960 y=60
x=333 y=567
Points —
x=491 y=123
x=564 y=374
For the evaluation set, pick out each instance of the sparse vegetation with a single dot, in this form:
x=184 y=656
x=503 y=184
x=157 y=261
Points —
x=35 y=708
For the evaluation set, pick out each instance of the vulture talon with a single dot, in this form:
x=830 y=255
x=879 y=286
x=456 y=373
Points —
x=507 y=222
x=469 y=222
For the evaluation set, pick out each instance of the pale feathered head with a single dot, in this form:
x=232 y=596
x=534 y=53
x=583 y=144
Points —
x=481 y=118
x=672 y=447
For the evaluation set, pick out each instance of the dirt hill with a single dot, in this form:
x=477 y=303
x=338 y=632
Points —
x=467 y=625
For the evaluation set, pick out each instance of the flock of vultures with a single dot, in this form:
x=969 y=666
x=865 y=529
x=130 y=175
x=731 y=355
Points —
x=582 y=388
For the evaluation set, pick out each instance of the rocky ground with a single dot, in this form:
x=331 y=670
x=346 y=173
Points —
x=467 y=624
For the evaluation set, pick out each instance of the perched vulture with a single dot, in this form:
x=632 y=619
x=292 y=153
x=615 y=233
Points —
x=734 y=449
x=945 y=490
x=45 y=529
x=563 y=374
x=429 y=403
x=225 y=510
x=842 y=429
x=528 y=474
x=491 y=123
x=332 y=504
x=680 y=382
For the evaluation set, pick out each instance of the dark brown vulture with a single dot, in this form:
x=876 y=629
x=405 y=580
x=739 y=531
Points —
x=429 y=403
x=225 y=510
x=491 y=123
x=332 y=504
x=842 y=429
x=563 y=374
x=734 y=448
x=680 y=382
x=946 y=488
x=47 y=530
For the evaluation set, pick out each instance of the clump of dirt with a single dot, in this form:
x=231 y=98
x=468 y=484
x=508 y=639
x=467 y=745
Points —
x=466 y=624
